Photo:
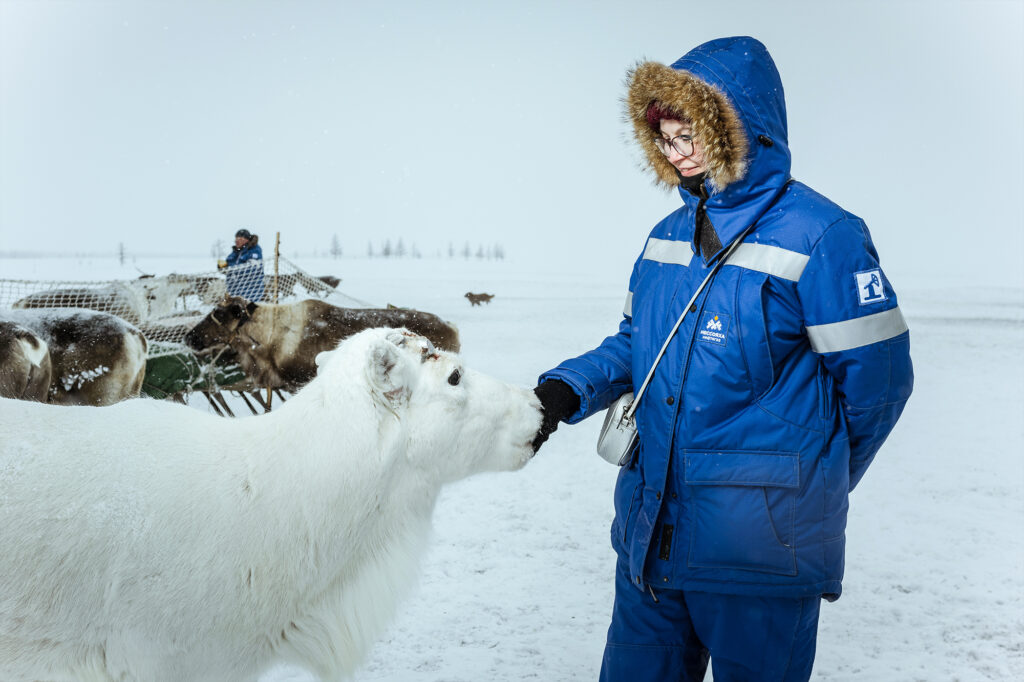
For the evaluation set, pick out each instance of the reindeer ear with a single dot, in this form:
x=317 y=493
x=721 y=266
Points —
x=250 y=308
x=385 y=374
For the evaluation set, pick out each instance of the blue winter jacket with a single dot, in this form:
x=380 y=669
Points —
x=245 y=273
x=786 y=376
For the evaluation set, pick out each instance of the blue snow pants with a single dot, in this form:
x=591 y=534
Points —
x=670 y=640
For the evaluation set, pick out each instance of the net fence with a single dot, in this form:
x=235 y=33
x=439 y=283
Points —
x=166 y=307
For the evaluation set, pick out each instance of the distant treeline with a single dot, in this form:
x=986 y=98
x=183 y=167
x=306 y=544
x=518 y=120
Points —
x=386 y=249
x=397 y=249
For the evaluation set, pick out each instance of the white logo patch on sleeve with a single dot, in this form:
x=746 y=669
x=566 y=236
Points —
x=869 y=287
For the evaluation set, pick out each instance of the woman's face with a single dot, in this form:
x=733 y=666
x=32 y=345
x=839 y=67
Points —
x=690 y=165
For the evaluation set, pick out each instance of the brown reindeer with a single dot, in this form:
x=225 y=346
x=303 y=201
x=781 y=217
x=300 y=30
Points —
x=477 y=299
x=97 y=358
x=277 y=345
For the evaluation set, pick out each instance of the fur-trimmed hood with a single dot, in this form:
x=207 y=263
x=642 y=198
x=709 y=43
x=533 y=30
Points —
x=731 y=91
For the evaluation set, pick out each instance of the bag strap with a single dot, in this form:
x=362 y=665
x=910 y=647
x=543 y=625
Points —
x=721 y=261
x=628 y=415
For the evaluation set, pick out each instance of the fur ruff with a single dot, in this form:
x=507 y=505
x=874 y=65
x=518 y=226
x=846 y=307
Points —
x=716 y=124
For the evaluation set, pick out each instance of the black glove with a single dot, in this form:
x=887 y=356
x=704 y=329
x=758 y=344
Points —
x=558 y=401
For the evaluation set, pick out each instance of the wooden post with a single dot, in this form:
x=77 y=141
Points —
x=277 y=263
x=277 y=272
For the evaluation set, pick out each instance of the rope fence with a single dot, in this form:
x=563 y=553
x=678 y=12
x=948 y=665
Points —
x=166 y=307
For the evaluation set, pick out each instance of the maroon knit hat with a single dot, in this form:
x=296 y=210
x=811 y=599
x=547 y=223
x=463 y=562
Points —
x=656 y=112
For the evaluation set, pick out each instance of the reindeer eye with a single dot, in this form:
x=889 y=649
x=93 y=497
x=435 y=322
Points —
x=454 y=378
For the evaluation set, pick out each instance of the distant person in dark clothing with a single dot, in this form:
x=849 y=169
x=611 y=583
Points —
x=245 y=267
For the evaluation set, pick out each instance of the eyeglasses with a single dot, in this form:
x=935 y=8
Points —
x=682 y=144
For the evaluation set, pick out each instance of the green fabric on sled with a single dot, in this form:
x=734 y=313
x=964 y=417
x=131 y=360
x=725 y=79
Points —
x=181 y=372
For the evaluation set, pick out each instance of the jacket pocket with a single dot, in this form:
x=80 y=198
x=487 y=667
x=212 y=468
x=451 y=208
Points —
x=744 y=509
x=627 y=494
x=752 y=328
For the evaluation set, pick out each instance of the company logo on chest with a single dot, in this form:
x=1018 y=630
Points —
x=714 y=328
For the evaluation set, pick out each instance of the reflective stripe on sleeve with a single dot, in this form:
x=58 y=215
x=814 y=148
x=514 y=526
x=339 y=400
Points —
x=861 y=331
x=771 y=260
x=627 y=309
x=668 y=251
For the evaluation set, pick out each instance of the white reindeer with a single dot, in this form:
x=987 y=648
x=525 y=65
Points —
x=148 y=541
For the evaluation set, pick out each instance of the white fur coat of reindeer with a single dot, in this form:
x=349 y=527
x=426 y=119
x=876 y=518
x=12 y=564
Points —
x=148 y=541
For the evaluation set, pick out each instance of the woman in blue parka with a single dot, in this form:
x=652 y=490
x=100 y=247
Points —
x=786 y=376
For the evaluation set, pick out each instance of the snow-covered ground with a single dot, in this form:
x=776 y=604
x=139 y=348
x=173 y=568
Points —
x=518 y=583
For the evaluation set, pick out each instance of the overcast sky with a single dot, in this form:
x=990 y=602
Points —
x=168 y=125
